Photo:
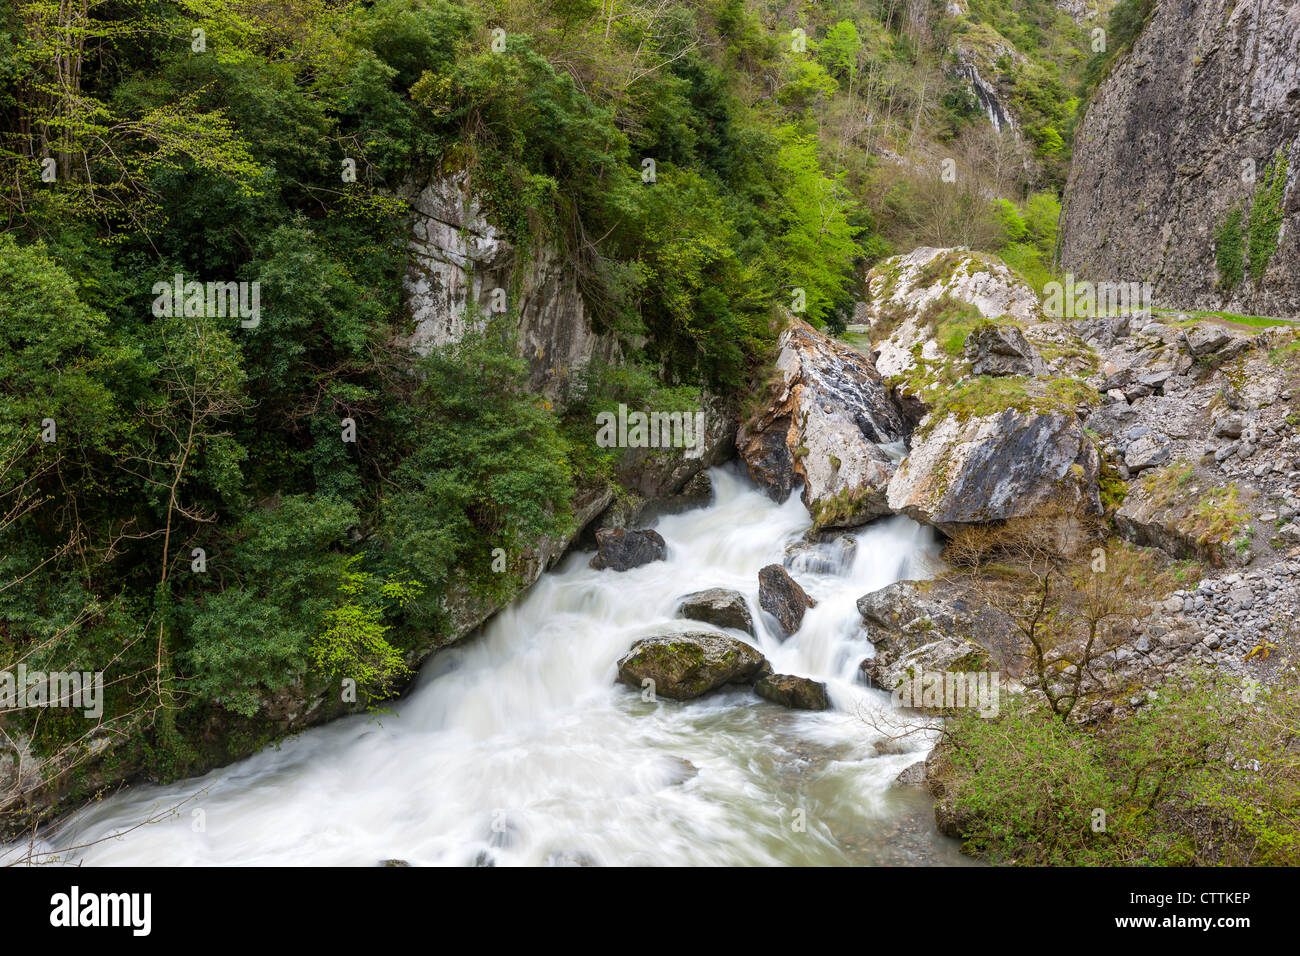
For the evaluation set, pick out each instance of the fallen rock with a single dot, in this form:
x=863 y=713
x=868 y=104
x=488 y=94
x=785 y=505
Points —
x=684 y=666
x=1228 y=426
x=1203 y=339
x=823 y=429
x=1149 y=451
x=1008 y=464
x=907 y=617
x=620 y=549
x=945 y=654
x=1002 y=350
x=720 y=607
x=782 y=597
x=799 y=693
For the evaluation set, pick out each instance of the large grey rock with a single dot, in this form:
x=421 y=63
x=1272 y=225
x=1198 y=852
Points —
x=992 y=467
x=621 y=550
x=904 y=620
x=822 y=430
x=1002 y=350
x=683 y=666
x=945 y=654
x=798 y=693
x=720 y=607
x=1146 y=452
x=782 y=597
x=1204 y=339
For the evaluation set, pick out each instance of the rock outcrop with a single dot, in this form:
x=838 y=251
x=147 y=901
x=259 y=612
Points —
x=720 y=607
x=824 y=429
x=933 y=627
x=903 y=290
x=1008 y=464
x=781 y=596
x=459 y=258
x=1002 y=350
x=684 y=666
x=1179 y=137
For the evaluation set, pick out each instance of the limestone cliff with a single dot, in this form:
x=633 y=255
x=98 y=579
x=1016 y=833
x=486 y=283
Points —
x=1178 y=143
x=459 y=259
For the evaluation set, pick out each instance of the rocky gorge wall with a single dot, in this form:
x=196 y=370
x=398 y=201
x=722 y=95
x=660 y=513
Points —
x=458 y=259
x=1177 y=138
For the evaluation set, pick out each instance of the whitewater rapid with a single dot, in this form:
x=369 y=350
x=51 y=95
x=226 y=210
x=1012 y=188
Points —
x=517 y=747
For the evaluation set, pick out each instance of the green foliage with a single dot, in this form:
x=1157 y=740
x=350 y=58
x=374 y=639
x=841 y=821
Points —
x=1266 y=216
x=1228 y=249
x=818 y=245
x=276 y=580
x=352 y=645
x=57 y=360
x=487 y=468
x=1029 y=236
x=1194 y=777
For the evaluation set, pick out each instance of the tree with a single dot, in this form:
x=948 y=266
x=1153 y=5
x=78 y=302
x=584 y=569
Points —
x=1071 y=605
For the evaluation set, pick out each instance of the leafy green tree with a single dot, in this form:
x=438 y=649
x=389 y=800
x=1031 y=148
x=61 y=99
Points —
x=352 y=645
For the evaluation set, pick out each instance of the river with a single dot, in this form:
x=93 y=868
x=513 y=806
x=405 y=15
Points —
x=517 y=747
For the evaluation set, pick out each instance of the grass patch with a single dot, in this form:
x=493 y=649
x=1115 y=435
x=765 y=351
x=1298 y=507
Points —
x=989 y=395
x=1248 y=321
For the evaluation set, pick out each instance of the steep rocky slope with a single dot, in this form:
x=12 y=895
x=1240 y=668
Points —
x=1178 y=165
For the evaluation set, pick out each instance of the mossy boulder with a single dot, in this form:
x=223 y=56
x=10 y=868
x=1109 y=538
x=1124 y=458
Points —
x=684 y=666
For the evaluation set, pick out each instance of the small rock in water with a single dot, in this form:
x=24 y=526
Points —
x=799 y=693
x=720 y=607
x=782 y=597
x=620 y=549
x=913 y=775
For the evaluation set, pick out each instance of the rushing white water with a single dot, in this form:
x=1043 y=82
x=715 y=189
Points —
x=518 y=747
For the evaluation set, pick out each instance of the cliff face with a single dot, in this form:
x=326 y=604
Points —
x=458 y=257
x=1209 y=92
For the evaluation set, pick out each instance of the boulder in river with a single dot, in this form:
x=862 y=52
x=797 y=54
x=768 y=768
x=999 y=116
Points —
x=822 y=429
x=620 y=549
x=720 y=607
x=799 y=693
x=686 y=665
x=780 y=595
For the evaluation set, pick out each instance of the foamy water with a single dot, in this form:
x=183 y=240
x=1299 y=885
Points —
x=518 y=746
